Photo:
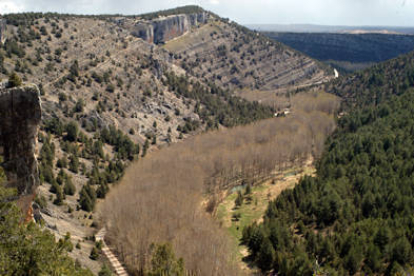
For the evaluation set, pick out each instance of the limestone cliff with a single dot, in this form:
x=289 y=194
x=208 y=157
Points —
x=2 y=30
x=20 y=116
x=163 y=29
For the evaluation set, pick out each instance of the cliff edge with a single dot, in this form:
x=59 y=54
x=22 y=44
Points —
x=20 y=116
x=163 y=29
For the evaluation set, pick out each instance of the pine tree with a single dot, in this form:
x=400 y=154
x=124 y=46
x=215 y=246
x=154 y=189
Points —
x=69 y=188
x=164 y=262
x=87 y=198
x=266 y=256
x=102 y=190
x=239 y=200
x=145 y=148
x=59 y=196
x=72 y=130
x=74 y=164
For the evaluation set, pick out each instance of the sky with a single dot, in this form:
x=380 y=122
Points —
x=321 y=12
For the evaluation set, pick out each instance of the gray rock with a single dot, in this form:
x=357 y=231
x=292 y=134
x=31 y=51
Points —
x=163 y=29
x=20 y=116
x=2 y=30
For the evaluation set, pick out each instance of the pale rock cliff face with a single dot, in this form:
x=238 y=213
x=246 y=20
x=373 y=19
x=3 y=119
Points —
x=163 y=29
x=2 y=30
x=20 y=116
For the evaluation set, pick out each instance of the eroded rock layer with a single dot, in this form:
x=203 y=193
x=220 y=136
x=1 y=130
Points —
x=163 y=29
x=20 y=116
x=2 y=30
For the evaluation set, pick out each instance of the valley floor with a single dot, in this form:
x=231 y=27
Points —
x=253 y=210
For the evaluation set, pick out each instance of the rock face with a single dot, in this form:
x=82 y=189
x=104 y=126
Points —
x=20 y=116
x=2 y=30
x=163 y=29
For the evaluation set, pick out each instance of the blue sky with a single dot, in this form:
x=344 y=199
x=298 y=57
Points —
x=324 y=12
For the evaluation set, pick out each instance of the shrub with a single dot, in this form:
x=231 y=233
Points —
x=14 y=80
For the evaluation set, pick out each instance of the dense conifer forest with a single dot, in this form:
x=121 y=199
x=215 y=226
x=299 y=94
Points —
x=356 y=215
x=376 y=84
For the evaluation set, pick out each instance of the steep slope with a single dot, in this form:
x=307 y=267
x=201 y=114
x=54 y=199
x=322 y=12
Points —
x=355 y=216
x=235 y=58
x=347 y=51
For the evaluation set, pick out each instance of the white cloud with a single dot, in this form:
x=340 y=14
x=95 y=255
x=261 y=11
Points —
x=10 y=6
x=328 y=12
x=214 y=2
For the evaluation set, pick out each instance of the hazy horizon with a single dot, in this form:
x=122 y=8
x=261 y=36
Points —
x=389 y=13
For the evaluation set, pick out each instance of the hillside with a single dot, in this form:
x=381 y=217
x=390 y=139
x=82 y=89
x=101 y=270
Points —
x=376 y=84
x=235 y=58
x=349 y=52
x=355 y=215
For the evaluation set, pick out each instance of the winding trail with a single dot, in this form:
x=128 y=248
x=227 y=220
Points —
x=116 y=265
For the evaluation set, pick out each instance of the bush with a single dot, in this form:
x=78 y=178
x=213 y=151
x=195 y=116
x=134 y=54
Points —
x=94 y=254
x=14 y=80
x=105 y=271
x=72 y=131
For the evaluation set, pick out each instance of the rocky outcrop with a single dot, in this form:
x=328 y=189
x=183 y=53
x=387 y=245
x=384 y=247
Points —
x=163 y=29
x=20 y=116
x=2 y=30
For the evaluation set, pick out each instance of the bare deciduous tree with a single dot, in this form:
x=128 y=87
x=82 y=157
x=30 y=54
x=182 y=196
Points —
x=164 y=196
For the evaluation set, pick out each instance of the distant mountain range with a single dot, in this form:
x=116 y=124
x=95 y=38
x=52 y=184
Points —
x=310 y=28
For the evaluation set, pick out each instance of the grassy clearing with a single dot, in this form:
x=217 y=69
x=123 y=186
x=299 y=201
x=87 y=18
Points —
x=254 y=210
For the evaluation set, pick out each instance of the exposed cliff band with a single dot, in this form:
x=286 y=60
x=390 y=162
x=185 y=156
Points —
x=163 y=29
x=20 y=116
x=2 y=30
